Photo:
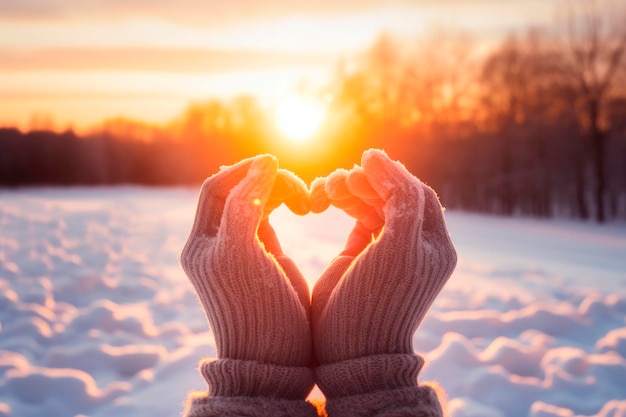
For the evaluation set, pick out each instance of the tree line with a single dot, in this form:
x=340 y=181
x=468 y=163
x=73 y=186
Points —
x=534 y=126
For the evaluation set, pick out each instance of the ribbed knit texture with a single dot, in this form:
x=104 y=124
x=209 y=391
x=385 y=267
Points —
x=365 y=307
x=228 y=377
x=368 y=374
x=201 y=405
x=405 y=402
x=369 y=302
x=255 y=298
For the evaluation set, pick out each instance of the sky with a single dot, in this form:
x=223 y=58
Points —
x=73 y=63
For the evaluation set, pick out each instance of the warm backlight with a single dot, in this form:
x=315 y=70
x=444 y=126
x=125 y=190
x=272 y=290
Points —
x=298 y=118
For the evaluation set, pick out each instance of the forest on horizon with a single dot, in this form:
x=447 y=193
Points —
x=534 y=126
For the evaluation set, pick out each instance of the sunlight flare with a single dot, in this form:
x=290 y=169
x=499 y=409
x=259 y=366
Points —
x=299 y=118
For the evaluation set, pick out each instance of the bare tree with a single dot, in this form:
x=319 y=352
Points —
x=594 y=48
x=516 y=86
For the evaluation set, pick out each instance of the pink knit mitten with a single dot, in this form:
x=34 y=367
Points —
x=255 y=298
x=371 y=299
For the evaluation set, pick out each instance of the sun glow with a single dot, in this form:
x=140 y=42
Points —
x=298 y=118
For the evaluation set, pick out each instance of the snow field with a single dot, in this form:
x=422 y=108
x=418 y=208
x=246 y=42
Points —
x=98 y=319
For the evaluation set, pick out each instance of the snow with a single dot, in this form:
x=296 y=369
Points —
x=97 y=318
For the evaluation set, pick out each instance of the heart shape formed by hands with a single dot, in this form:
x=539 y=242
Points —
x=368 y=301
x=349 y=191
x=353 y=337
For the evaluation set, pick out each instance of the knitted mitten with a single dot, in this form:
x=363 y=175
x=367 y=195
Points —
x=255 y=299
x=371 y=299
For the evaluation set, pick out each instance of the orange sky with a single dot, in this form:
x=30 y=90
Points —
x=80 y=61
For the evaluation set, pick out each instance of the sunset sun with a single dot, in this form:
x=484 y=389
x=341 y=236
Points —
x=298 y=118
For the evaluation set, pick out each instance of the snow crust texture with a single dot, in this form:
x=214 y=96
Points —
x=98 y=319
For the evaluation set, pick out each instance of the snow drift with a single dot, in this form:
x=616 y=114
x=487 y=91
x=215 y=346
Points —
x=97 y=317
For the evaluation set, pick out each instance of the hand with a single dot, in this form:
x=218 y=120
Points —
x=258 y=310
x=372 y=298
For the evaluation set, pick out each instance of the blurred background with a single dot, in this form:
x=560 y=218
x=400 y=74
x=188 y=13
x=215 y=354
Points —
x=513 y=107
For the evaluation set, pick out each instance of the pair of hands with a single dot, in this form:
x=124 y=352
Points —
x=241 y=275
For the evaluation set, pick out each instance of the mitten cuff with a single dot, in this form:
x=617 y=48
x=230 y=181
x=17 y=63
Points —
x=203 y=405
x=368 y=374
x=238 y=378
x=405 y=402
